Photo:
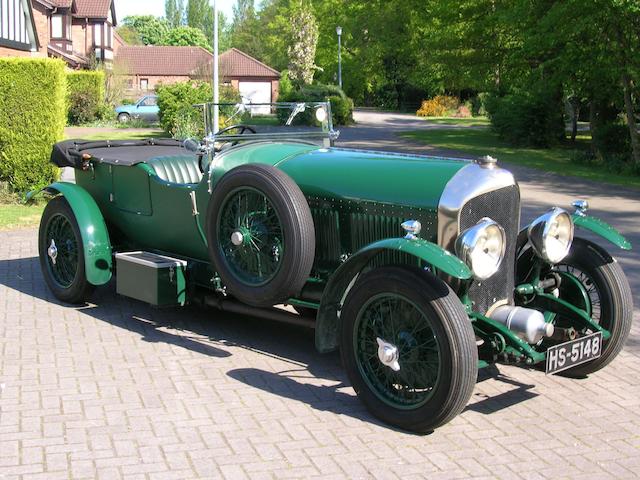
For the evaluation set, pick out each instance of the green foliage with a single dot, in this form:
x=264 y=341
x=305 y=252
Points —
x=174 y=12
x=304 y=40
x=341 y=105
x=32 y=119
x=150 y=29
x=285 y=86
x=178 y=114
x=186 y=37
x=86 y=92
x=612 y=139
x=341 y=110
x=129 y=35
x=527 y=119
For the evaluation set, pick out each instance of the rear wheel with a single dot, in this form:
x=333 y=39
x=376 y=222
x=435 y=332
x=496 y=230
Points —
x=608 y=298
x=62 y=253
x=408 y=348
x=124 y=118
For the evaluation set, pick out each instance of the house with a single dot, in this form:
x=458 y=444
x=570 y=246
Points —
x=147 y=66
x=18 y=30
x=74 y=30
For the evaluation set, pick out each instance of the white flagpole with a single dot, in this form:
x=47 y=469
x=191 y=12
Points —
x=216 y=91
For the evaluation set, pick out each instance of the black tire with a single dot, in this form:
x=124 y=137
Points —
x=601 y=275
x=70 y=285
x=292 y=221
x=124 y=118
x=450 y=330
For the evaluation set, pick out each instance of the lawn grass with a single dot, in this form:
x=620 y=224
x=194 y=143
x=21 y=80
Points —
x=466 y=122
x=14 y=216
x=482 y=141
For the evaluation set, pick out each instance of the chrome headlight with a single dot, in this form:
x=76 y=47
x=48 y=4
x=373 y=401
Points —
x=551 y=235
x=482 y=248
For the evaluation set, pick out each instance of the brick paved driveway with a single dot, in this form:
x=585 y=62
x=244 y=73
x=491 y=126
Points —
x=121 y=390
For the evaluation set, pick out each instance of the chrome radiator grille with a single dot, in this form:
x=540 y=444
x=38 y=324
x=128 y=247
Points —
x=503 y=206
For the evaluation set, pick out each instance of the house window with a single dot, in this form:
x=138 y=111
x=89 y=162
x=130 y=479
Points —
x=97 y=35
x=56 y=26
x=144 y=84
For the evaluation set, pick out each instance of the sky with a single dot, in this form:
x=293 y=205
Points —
x=156 y=7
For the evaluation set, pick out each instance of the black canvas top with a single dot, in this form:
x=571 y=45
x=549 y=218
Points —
x=77 y=153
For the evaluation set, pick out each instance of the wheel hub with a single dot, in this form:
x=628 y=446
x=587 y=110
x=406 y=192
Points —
x=237 y=238
x=52 y=251
x=388 y=354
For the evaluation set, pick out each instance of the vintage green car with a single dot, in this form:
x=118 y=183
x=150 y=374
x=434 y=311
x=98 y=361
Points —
x=416 y=268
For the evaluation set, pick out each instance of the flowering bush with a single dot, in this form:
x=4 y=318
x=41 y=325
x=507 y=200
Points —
x=438 y=106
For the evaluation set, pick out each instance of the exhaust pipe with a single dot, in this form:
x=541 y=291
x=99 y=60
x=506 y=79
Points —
x=527 y=323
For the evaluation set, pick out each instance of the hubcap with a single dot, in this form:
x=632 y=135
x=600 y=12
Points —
x=237 y=238
x=388 y=354
x=53 y=251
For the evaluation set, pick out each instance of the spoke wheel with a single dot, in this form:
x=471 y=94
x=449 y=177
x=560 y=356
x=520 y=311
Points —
x=251 y=236
x=408 y=347
x=62 y=253
x=606 y=295
x=261 y=235
x=393 y=321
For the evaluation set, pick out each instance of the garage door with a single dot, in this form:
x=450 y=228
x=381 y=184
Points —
x=256 y=92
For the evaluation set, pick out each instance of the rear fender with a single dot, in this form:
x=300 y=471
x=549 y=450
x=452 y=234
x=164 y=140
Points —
x=328 y=318
x=93 y=230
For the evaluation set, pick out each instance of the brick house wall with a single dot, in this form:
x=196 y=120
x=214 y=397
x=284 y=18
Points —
x=42 y=27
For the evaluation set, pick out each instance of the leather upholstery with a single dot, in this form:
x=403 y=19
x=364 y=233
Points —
x=177 y=169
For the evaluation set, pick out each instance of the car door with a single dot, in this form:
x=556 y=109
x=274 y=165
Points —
x=148 y=108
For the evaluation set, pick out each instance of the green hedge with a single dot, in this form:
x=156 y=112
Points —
x=341 y=105
x=178 y=116
x=32 y=119
x=85 y=96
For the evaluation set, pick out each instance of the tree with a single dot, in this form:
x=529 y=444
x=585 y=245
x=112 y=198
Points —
x=174 y=12
x=185 y=37
x=197 y=13
x=129 y=35
x=302 y=52
x=150 y=29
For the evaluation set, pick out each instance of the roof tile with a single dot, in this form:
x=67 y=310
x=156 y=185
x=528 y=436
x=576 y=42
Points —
x=235 y=63
x=92 y=8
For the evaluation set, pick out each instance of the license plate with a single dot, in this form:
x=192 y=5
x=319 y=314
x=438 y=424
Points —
x=569 y=354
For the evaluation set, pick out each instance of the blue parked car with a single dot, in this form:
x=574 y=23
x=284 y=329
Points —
x=144 y=109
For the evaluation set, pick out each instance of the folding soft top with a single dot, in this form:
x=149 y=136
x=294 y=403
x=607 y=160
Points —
x=76 y=153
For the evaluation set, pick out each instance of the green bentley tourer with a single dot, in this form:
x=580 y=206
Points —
x=416 y=268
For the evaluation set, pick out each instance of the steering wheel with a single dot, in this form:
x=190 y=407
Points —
x=240 y=126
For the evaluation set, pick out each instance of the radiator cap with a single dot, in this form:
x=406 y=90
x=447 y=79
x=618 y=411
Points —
x=487 y=161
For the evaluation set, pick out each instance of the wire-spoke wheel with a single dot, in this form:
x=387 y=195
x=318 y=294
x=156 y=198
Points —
x=408 y=348
x=62 y=253
x=605 y=295
x=261 y=235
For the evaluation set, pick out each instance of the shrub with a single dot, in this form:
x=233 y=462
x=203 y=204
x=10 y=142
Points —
x=285 y=87
x=341 y=105
x=32 y=119
x=177 y=103
x=85 y=90
x=526 y=118
x=463 y=112
x=438 y=106
x=612 y=138
x=478 y=107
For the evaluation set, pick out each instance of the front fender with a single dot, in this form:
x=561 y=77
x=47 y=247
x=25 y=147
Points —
x=95 y=236
x=327 y=322
x=601 y=228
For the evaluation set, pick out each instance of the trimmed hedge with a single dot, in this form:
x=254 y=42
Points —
x=178 y=116
x=85 y=96
x=32 y=119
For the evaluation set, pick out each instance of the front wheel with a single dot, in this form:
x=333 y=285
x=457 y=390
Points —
x=62 y=253
x=608 y=298
x=124 y=118
x=408 y=348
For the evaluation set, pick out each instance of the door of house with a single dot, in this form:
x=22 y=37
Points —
x=256 y=92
